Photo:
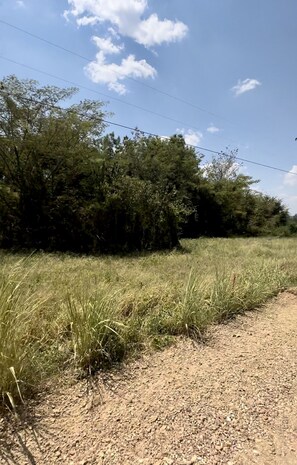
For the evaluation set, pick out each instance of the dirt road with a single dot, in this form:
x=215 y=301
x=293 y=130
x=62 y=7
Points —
x=231 y=401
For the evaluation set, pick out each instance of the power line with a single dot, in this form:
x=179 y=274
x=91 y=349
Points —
x=197 y=147
x=53 y=44
x=204 y=149
x=97 y=92
x=109 y=96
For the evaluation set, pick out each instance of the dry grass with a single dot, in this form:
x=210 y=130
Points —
x=86 y=312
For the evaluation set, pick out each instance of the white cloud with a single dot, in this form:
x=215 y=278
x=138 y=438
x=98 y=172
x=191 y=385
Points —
x=290 y=179
x=118 y=12
x=126 y=17
x=213 y=129
x=245 y=86
x=191 y=137
x=85 y=21
x=20 y=3
x=107 y=46
x=113 y=32
x=123 y=18
x=112 y=74
x=287 y=190
x=291 y=202
x=288 y=197
x=153 y=31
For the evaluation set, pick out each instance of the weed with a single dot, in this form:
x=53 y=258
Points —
x=89 y=312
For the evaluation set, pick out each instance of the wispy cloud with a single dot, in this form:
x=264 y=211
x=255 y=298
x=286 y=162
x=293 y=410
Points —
x=20 y=3
x=290 y=179
x=245 y=86
x=291 y=202
x=191 y=137
x=123 y=18
x=212 y=129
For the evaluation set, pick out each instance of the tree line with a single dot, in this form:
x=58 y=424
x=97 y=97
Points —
x=66 y=185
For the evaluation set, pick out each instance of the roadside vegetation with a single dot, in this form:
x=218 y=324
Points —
x=61 y=312
x=68 y=187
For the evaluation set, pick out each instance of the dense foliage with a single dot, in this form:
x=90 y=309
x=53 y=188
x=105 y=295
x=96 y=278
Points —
x=66 y=186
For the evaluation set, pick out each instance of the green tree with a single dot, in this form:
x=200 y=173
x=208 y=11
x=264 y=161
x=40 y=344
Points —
x=66 y=186
x=46 y=151
x=222 y=198
x=227 y=205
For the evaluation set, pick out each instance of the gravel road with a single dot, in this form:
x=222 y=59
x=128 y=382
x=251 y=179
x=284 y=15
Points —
x=231 y=401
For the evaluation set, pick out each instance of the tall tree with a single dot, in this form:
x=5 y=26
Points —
x=44 y=150
x=66 y=186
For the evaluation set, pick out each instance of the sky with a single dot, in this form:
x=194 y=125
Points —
x=221 y=72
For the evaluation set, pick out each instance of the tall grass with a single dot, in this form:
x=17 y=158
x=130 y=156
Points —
x=97 y=336
x=20 y=344
x=88 y=312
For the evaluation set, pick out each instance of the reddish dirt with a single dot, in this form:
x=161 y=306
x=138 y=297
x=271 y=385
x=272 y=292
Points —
x=231 y=401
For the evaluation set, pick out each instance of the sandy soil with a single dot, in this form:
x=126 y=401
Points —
x=231 y=401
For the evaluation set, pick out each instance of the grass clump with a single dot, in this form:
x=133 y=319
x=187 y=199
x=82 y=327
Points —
x=89 y=312
x=96 y=334
x=22 y=345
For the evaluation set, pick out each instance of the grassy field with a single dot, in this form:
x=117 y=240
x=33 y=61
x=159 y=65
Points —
x=61 y=311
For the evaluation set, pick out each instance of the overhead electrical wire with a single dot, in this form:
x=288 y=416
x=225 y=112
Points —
x=72 y=83
x=58 y=46
x=72 y=52
x=174 y=97
x=204 y=149
x=147 y=133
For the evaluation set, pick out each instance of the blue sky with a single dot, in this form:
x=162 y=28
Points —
x=234 y=59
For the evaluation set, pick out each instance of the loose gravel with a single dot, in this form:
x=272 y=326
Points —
x=231 y=401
